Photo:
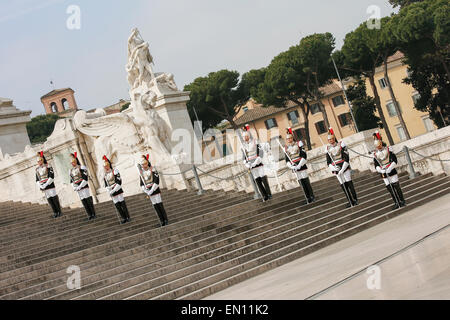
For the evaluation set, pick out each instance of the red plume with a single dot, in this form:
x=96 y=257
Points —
x=105 y=158
x=331 y=131
x=247 y=127
x=378 y=135
x=75 y=155
x=148 y=157
x=41 y=154
x=289 y=130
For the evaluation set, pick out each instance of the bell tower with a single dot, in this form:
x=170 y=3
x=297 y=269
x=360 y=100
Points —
x=59 y=100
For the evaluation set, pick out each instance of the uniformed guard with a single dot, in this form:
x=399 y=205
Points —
x=79 y=179
x=149 y=178
x=385 y=162
x=253 y=161
x=296 y=160
x=113 y=183
x=338 y=161
x=45 y=180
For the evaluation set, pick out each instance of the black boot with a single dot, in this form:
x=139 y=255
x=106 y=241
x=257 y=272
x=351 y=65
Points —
x=308 y=190
x=86 y=207
x=389 y=188
x=58 y=206
x=125 y=211
x=164 y=214
x=399 y=192
x=259 y=182
x=159 y=213
x=51 y=202
x=91 y=208
x=120 y=211
x=265 y=181
x=352 y=192
x=312 y=198
x=347 y=195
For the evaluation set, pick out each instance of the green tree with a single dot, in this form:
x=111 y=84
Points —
x=403 y=3
x=41 y=127
x=285 y=82
x=357 y=58
x=423 y=32
x=363 y=106
x=125 y=106
x=217 y=97
x=315 y=57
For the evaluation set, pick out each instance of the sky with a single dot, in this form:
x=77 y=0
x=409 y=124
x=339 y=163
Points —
x=189 y=39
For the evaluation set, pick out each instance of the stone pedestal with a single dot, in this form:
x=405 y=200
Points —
x=13 y=132
x=171 y=107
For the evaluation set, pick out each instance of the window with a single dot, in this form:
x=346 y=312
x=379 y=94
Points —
x=416 y=98
x=293 y=117
x=383 y=83
x=320 y=127
x=339 y=100
x=300 y=134
x=245 y=109
x=271 y=123
x=344 y=119
x=391 y=109
x=428 y=123
x=401 y=133
x=315 y=108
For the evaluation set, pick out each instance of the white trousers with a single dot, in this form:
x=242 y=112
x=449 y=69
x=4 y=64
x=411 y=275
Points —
x=156 y=199
x=50 y=193
x=258 y=172
x=84 y=194
x=118 y=198
x=392 y=179
x=345 y=177
x=301 y=174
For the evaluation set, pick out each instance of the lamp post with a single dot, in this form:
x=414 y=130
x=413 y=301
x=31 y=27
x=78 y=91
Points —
x=345 y=94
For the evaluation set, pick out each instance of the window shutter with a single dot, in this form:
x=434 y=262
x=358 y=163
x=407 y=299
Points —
x=289 y=116
x=297 y=115
x=275 y=122
x=267 y=124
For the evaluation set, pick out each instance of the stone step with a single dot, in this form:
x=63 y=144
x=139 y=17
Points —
x=75 y=240
x=253 y=268
x=52 y=230
x=66 y=223
x=83 y=273
x=28 y=271
x=187 y=277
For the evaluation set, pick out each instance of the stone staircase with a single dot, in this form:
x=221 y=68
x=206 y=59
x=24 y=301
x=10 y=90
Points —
x=213 y=241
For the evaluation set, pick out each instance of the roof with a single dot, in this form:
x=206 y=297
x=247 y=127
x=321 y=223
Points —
x=260 y=111
x=55 y=92
x=396 y=56
x=257 y=113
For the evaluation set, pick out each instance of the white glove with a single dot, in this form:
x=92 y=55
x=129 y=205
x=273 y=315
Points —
x=302 y=162
x=333 y=169
x=257 y=162
x=109 y=189
x=391 y=167
x=49 y=182
x=153 y=189
x=379 y=170
x=290 y=166
x=248 y=165
x=116 y=188
x=344 y=167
